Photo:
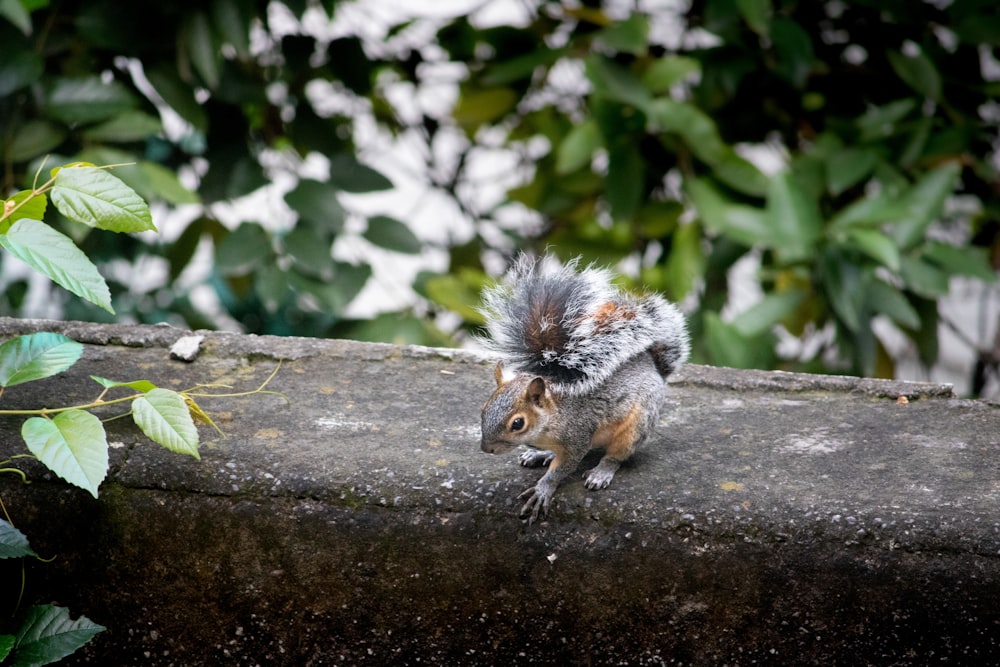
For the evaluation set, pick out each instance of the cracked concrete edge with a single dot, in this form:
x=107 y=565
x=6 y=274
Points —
x=756 y=380
x=292 y=347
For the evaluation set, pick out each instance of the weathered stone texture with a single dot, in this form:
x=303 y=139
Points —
x=775 y=518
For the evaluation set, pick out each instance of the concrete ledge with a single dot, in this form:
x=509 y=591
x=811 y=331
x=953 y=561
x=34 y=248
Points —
x=777 y=518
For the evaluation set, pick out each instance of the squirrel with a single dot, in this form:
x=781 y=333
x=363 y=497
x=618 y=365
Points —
x=583 y=366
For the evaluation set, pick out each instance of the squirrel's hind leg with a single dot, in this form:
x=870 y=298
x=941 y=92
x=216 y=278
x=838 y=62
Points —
x=620 y=439
x=600 y=476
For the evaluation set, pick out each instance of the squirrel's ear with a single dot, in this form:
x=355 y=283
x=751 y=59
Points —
x=498 y=373
x=536 y=391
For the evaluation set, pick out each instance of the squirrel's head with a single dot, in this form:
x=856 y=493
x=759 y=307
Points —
x=517 y=413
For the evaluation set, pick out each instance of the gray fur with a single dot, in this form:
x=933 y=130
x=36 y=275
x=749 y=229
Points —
x=587 y=357
x=584 y=365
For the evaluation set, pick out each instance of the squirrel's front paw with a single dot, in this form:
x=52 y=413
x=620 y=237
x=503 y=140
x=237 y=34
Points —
x=537 y=499
x=534 y=458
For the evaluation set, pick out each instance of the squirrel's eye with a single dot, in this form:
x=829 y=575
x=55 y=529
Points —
x=517 y=424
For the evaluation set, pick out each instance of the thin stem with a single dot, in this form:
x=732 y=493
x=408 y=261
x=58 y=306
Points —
x=258 y=390
x=24 y=478
x=44 y=412
x=5 y=512
x=34 y=181
x=20 y=594
x=18 y=456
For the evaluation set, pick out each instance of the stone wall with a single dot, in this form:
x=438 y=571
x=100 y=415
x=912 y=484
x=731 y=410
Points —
x=775 y=518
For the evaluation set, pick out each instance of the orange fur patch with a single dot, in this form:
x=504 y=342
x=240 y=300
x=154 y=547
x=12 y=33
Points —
x=610 y=312
x=619 y=438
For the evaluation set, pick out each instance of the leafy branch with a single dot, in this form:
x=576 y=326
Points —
x=83 y=193
x=71 y=441
x=73 y=444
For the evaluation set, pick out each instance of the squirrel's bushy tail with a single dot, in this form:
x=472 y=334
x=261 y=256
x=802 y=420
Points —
x=575 y=327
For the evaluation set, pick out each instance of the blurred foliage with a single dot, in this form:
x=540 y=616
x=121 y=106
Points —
x=878 y=118
x=637 y=138
x=94 y=81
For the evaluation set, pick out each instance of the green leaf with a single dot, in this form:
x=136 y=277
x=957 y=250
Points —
x=926 y=335
x=977 y=27
x=20 y=67
x=846 y=167
x=842 y=285
x=349 y=175
x=766 y=313
x=969 y=261
x=317 y=203
x=757 y=14
x=391 y=234
x=197 y=40
x=162 y=183
x=699 y=131
x=36 y=356
x=793 y=218
x=728 y=347
x=923 y=203
x=625 y=180
x=794 y=49
x=577 y=148
x=164 y=417
x=98 y=199
x=868 y=211
x=232 y=25
x=924 y=278
x=398 y=329
x=245 y=249
x=33 y=208
x=48 y=635
x=612 y=81
x=15 y=12
x=917 y=143
x=55 y=256
x=628 y=36
x=332 y=298
x=666 y=72
x=351 y=279
x=13 y=543
x=182 y=250
x=740 y=174
x=459 y=293
x=34 y=138
x=141 y=386
x=889 y=301
x=742 y=223
x=686 y=261
x=311 y=250
x=129 y=126
x=876 y=245
x=6 y=641
x=72 y=444
x=88 y=100
x=233 y=171
x=880 y=122
x=657 y=219
x=178 y=95
x=476 y=107
x=519 y=68
x=918 y=72
x=270 y=284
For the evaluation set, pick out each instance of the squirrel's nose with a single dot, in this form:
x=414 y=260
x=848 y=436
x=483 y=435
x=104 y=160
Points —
x=494 y=446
